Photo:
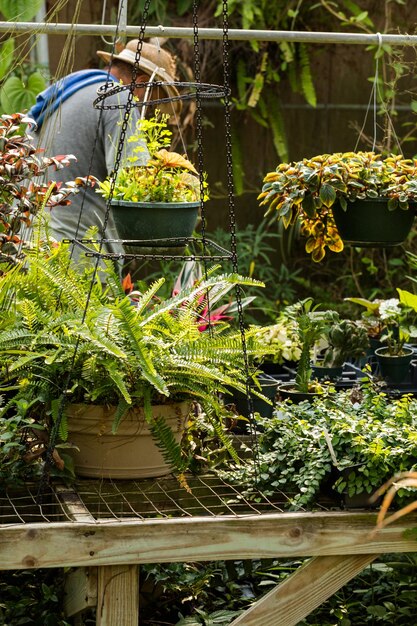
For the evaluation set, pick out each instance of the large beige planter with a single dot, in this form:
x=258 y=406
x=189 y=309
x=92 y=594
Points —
x=130 y=452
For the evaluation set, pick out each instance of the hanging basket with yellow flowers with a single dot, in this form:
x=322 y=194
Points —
x=332 y=193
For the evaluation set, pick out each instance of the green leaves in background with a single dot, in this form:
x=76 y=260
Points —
x=18 y=95
x=6 y=56
x=20 y=10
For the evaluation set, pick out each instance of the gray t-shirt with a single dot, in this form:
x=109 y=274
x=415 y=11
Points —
x=91 y=135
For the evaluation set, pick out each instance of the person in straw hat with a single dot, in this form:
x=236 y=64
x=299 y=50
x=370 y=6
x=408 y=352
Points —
x=68 y=123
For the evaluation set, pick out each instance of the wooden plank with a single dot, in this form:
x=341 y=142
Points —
x=71 y=544
x=81 y=583
x=73 y=505
x=80 y=590
x=118 y=596
x=304 y=591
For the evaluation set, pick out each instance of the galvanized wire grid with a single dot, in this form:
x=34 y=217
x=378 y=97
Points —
x=166 y=498
x=99 y=500
x=20 y=505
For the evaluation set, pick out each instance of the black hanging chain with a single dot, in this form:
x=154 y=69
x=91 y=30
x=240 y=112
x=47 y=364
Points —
x=200 y=151
x=228 y=136
x=57 y=424
x=199 y=116
x=127 y=110
x=232 y=218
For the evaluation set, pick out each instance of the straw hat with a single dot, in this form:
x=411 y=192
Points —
x=159 y=64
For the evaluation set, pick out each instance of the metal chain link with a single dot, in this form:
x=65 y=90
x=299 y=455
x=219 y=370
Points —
x=232 y=218
x=127 y=110
x=199 y=117
x=56 y=426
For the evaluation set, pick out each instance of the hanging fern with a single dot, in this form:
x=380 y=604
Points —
x=116 y=351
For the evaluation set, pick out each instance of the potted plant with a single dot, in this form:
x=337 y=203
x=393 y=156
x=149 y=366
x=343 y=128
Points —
x=343 y=445
x=357 y=197
x=159 y=200
x=280 y=344
x=393 y=356
x=344 y=340
x=104 y=373
x=311 y=325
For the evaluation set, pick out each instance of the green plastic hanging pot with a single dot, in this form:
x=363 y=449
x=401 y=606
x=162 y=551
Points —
x=369 y=223
x=154 y=220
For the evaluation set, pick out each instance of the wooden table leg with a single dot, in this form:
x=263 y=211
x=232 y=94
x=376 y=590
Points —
x=118 y=595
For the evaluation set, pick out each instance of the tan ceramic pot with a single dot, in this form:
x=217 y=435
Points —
x=129 y=453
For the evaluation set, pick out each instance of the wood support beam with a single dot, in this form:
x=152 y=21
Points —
x=80 y=590
x=303 y=591
x=118 y=596
x=286 y=535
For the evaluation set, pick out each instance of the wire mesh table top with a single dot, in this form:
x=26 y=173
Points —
x=96 y=501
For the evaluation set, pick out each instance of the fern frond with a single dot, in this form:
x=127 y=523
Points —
x=306 y=78
x=59 y=417
x=277 y=126
x=165 y=440
x=128 y=318
x=120 y=412
x=149 y=294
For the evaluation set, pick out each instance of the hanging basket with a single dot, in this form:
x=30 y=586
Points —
x=154 y=220
x=369 y=224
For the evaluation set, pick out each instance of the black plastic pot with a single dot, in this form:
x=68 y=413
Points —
x=395 y=369
x=287 y=391
x=369 y=223
x=154 y=220
x=269 y=386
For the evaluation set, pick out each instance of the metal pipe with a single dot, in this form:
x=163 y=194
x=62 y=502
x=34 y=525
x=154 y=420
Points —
x=235 y=34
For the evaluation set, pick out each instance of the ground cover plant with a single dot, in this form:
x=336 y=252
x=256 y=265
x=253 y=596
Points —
x=343 y=444
x=32 y=598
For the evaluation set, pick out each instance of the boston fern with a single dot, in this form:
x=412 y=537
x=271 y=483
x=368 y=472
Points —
x=116 y=351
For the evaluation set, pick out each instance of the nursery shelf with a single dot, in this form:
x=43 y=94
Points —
x=106 y=529
x=105 y=500
x=158 y=249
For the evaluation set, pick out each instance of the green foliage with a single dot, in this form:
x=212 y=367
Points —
x=20 y=10
x=384 y=592
x=348 y=444
x=18 y=93
x=310 y=325
x=166 y=177
x=23 y=192
x=32 y=598
x=6 y=56
x=113 y=350
x=264 y=65
x=344 y=340
x=20 y=79
x=306 y=190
